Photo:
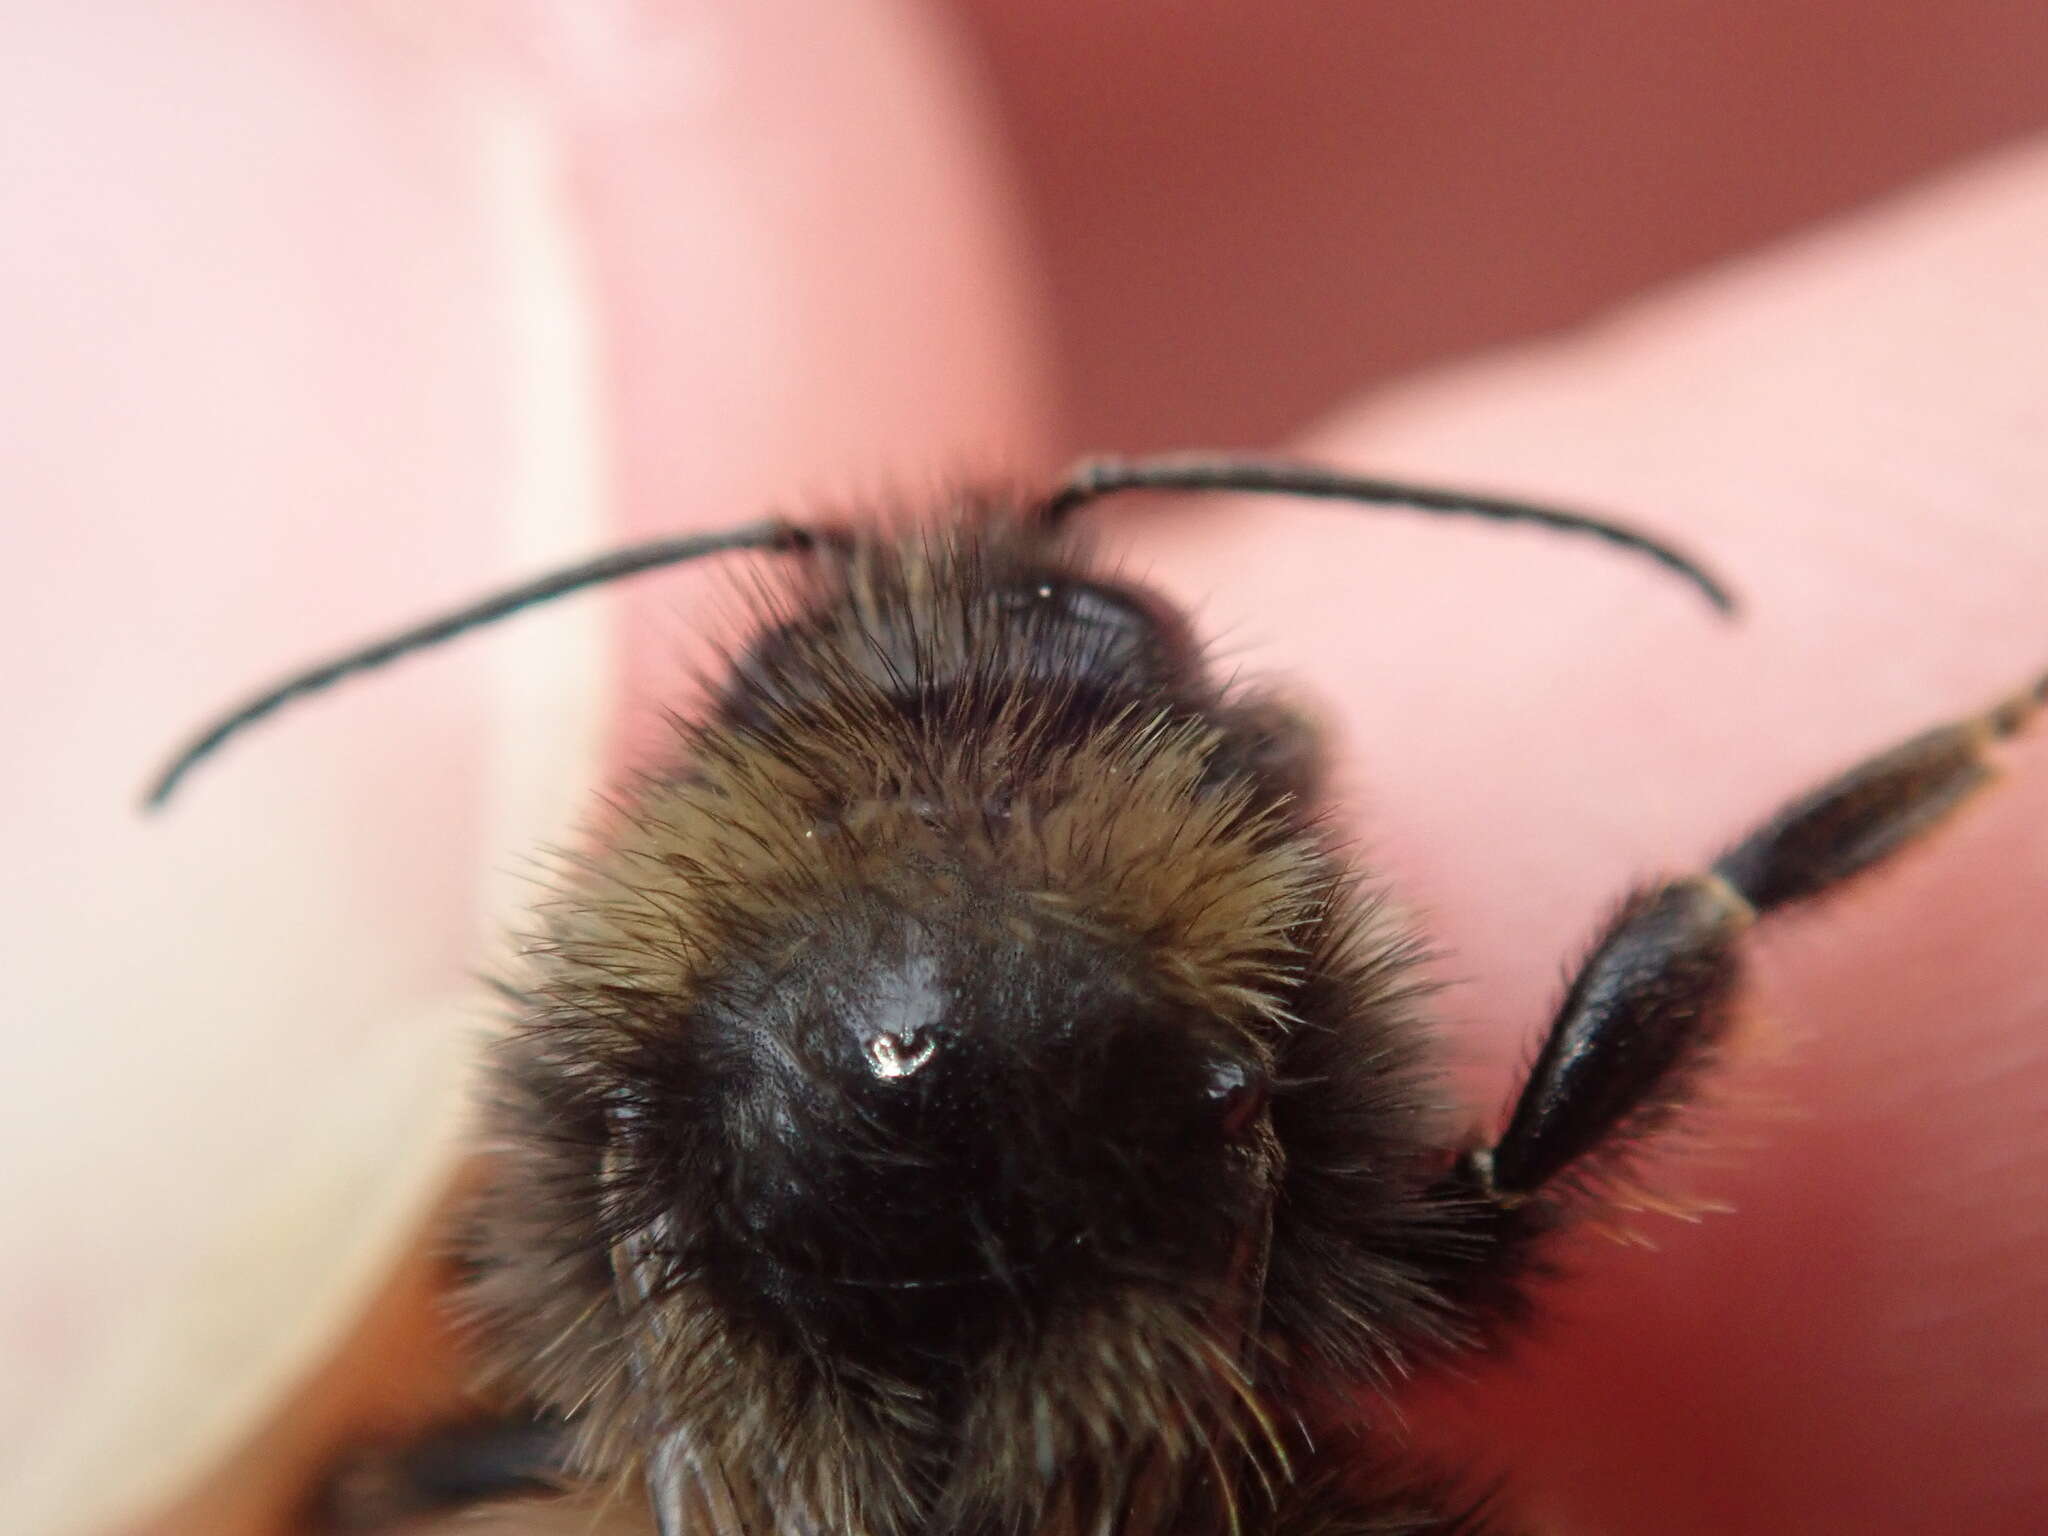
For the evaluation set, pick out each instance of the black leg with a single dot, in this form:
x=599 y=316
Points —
x=1655 y=1000
x=451 y=1468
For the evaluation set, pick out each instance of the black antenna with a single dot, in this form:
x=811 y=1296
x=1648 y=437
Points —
x=631 y=561
x=1096 y=478
x=1088 y=483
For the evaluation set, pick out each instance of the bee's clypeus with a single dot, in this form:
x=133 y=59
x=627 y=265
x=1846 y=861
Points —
x=966 y=1094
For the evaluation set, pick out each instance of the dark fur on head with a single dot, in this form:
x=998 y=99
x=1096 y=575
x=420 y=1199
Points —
x=1004 y=1097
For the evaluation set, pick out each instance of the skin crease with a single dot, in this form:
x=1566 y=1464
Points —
x=1848 y=431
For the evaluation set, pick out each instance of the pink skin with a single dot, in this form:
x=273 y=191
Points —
x=1845 y=433
x=316 y=323
x=291 y=421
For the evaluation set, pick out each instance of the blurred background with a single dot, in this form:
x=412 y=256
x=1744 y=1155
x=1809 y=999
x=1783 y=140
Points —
x=1241 y=213
x=320 y=316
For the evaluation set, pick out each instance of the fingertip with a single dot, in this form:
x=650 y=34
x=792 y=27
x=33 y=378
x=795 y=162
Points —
x=1841 y=428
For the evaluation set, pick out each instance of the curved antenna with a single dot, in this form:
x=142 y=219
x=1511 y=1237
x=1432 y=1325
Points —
x=1089 y=482
x=630 y=561
x=1094 y=479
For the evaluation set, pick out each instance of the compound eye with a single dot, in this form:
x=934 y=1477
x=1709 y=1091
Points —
x=1083 y=604
x=1098 y=636
x=1102 y=609
x=1236 y=1093
x=1103 y=618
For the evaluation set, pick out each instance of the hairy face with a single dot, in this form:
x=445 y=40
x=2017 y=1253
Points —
x=942 y=1105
